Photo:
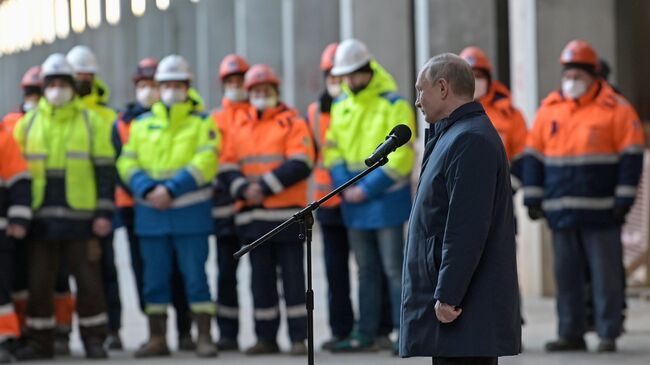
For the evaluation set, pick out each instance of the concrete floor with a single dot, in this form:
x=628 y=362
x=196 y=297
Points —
x=540 y=327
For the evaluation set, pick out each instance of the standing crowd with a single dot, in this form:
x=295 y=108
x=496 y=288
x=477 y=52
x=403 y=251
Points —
x=73 y=170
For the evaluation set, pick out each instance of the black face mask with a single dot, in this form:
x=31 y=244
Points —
x=84 y=87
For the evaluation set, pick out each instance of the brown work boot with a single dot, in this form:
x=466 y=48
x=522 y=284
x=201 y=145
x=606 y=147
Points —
x=204 y=345
x=263 y=348
x=157 y=344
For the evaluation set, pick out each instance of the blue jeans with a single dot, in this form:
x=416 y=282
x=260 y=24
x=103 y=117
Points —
x=191 y=253
x=598 y=250
x=378 y=252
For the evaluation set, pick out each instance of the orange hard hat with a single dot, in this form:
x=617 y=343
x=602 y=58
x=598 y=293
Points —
x=32 y=78
x=476 y=58
x=580 y=52
x=327 y=58
x=146 y=69
x=260 y=74
x=232 y=64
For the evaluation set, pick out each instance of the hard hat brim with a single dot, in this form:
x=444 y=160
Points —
x=173 y=77
x=348 y=69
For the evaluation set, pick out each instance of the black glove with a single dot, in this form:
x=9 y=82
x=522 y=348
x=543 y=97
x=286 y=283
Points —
x=535 y=212
x=620 y=212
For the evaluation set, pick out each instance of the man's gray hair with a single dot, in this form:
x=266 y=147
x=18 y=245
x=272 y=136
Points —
x=455 y=70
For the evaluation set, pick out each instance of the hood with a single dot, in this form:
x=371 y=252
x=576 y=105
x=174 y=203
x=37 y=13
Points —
x=381 y=82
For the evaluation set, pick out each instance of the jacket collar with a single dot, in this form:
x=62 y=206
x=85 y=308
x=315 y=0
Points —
x=176 y=113
x=461 y=112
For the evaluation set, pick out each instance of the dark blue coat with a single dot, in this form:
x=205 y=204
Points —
x=461 y=245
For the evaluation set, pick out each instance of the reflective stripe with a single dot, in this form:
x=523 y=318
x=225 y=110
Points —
x=105 y=204
x=625 y=191
x=227 y=312
x=20 y=295
x=273 y=182
x=63 y=212
x=634 y=149
x=228 y=167
x=574 y=202
x=270 y=215
x=262 y=159
x=19 y=211
x=296 y=311
x=3 y=223
x=533 y=192
x=237 y=184
x=323 y=187
x=534 y=153
x=35 y=156
x=131 y=173
x=203 y=307
x=581 y=160
x=41 y=323
x=223 y=212
x=163 y=175
x=191 y=198
x=197 y=175
x=101 y=318
x=156 y=309
x=75 y=155
x=103 y=161
x=267 y=314
x=129 y=154
x=6 y=309
x=22 y=175
x=55 y=173
x=207 y=148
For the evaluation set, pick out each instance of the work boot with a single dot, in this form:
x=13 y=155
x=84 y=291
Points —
x=607 y=345
x=357 y=342
x=227 y=344
x=263 y=348
x=157 y=344
x=204 y=345
x=298 y=349
x=564 y=345
x=5 y=353
x=29 y=352
x=329 y=344
x=185 y=342
x=62 y=344
x=95 y=350
x=114 y=342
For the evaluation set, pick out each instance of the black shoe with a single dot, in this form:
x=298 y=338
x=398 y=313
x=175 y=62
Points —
x=329 y=344
x=562 y=345
x=31 y=353
x=263 y=348
x=95 y=351
x=607 y=345
x=227 y=344
x=114 y=342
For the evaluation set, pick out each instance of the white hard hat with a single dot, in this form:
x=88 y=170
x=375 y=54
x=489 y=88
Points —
x=350 y=55
x=83 y=60
x=173 y=68
x=56 y=65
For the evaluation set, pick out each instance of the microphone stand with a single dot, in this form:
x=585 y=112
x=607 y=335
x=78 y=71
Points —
x=305 y=218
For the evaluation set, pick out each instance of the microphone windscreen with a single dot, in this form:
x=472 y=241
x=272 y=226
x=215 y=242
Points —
x=403 y=134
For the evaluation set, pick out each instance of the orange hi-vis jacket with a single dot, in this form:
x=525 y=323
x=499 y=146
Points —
x=274 y=149
x=510 y=124
x=319 y=122
x=15 y=208
x=123 y=198
x=223 y=211
x=584 y=158
x=11 y=119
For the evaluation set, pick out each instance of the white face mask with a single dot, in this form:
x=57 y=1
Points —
x=480 y=87
x=235 y=94
x=573 y=89
x=173 y=96
x=147 y=96
x=263 y=103
x=334 y=90
x=58 y=96
x=29 y=105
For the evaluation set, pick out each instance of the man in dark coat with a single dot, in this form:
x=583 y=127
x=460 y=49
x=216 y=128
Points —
x=460 y=301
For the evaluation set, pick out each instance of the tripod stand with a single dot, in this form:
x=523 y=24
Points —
x=305 y=218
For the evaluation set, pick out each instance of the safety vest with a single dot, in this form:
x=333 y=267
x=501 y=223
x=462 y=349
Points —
x=67 y=141
x=322 y=183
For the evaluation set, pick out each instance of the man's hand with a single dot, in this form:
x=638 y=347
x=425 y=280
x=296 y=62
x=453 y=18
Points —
x=535 y=212
x=102 y=227
x=16 y=231
x=354 y=195
x=253 y=194
x=160 y=198
x=447 y=313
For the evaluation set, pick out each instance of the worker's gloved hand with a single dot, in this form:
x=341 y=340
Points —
x=620 y=212
x=535 y=212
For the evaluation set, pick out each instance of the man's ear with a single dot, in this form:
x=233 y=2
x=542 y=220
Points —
x=444 y=88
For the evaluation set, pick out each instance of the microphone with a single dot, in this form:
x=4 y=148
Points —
x=397 y=138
